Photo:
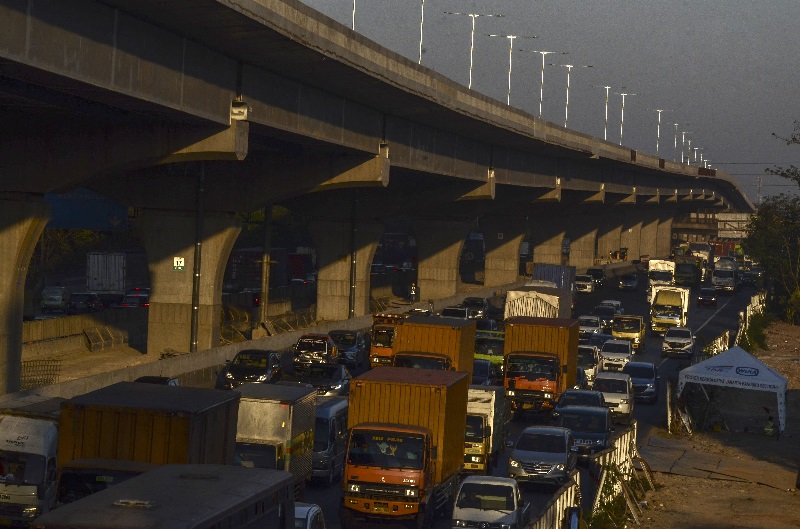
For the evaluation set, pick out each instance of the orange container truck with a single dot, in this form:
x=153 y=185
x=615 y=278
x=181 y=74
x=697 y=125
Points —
x=540 y=361
x=435 y=343
x=406 y=446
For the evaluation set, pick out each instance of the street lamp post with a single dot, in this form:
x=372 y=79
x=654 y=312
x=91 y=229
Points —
x=695 y=153
x=605 y=128
x=510 y=51
x=541 y=86
x=473 y=16
x=622 y=112
x=689 y=152
x=569 y=68
x=683 y=141
x=658 y=128
x=421 y=23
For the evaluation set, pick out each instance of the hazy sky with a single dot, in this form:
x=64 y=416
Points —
x=727 y=70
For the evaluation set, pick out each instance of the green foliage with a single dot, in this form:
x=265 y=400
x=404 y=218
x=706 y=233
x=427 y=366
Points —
x=773 y=240
x=755 y=337
x=791 y=173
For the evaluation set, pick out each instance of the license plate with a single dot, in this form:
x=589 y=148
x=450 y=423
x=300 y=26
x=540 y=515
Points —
x=381 y=506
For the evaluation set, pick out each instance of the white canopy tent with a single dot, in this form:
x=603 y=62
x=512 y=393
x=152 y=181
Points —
x=738 y=369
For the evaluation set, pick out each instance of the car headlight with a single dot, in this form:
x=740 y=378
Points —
x=476 y=459
x=513 y=463
x=510 y=393
x=598 y=441
x=30 y=512
x=508 y=526
x=459 y=523
x=650 y=385
x=664 y=346
x=228 y=374
x=353 y=487
x=560 y=466
x=262 y=378
x=337 y=386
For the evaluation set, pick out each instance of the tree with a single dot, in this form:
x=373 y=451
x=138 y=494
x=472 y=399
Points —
x=791 y=173
x=773 y=240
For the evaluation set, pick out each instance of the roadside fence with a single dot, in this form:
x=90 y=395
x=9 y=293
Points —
x=756 y=306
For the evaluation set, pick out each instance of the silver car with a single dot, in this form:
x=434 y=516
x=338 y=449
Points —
x=543 y=454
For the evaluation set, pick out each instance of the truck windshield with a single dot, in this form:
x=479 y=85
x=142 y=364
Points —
x=627 y=325
x=322 y=434
x=486 y=497
x=419 y=362
x=386 y=450
x=77 y=483
x=531 y=368
x=383 y=337
x=256 y=456
x=660 y=275
x=666 y=311
x=20 y=468
x=474 y=427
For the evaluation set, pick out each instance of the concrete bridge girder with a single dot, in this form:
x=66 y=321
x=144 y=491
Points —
x=439 y=244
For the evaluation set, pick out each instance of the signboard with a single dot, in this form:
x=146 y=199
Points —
x=732 y=225
x=83 y=209
x=565 y=242
x=178 y=263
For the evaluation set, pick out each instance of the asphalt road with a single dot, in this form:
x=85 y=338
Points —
x=706 y=323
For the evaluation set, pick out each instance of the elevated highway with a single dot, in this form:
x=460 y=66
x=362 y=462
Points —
x=192 y=110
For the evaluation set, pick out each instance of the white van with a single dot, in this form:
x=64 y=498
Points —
x=617 y=390
x=330 y=439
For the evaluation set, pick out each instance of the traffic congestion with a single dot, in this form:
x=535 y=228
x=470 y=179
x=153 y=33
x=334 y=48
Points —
x=492 y=423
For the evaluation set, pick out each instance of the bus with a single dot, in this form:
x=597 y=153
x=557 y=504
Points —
x=196 y=496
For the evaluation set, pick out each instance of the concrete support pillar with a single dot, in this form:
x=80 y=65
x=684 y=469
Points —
x=664 y=236
x=502 y=238
x=582 y=233
x=167 y=235
x=547 y=236
x=648 y=236
x=630 y=235
x=609 y=235
x=439 y=246
x=334 y=242
x=22 y=221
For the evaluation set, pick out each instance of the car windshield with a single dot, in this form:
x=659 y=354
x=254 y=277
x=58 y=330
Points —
x=707 y=292
x=251 y=359
x=474 y=303
x=723 y=273
x=588 y=322
x=131 y=300
x=583 y=422
x=578 y=399
x=678 y=333
x=628 y=278
x=320 y=371
x=604 y=312
x=539 y=442
x=596 y=273
x=343 y=339
x=610 y=385
x=616 y=348
x=311 y=345
x=583 y=278
x=376 y=448
x=636 y=371
x=485 y=496
x=454 y=312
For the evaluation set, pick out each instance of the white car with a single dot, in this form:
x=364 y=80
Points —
x=490 y=501
x=614 y=355
x=617 y=390
x=617 y=305
x=589 y=325
x=678 y=341
x=308 y=516
x=584 y=284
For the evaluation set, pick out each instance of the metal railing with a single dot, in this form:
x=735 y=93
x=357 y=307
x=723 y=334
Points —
x=38 y=373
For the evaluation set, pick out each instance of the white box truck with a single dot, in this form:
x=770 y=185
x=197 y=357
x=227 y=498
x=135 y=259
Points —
x=486 y=428
x=669 y=307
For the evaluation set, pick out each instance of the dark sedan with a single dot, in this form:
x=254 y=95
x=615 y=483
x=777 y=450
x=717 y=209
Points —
x=353 y=348
x=629 y=282
x=83 y=302
x=330 y=380
x=707 y=298
x=250 y=365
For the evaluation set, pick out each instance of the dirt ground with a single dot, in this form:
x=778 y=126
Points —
x=769 y=498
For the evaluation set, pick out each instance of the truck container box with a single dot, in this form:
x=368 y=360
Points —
x=563 y=276
x=546 y=335
x=453 y=337
x=538 y=302
x=436 y=400
x=282 y=417
x=149 y=423
x=106 y=272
